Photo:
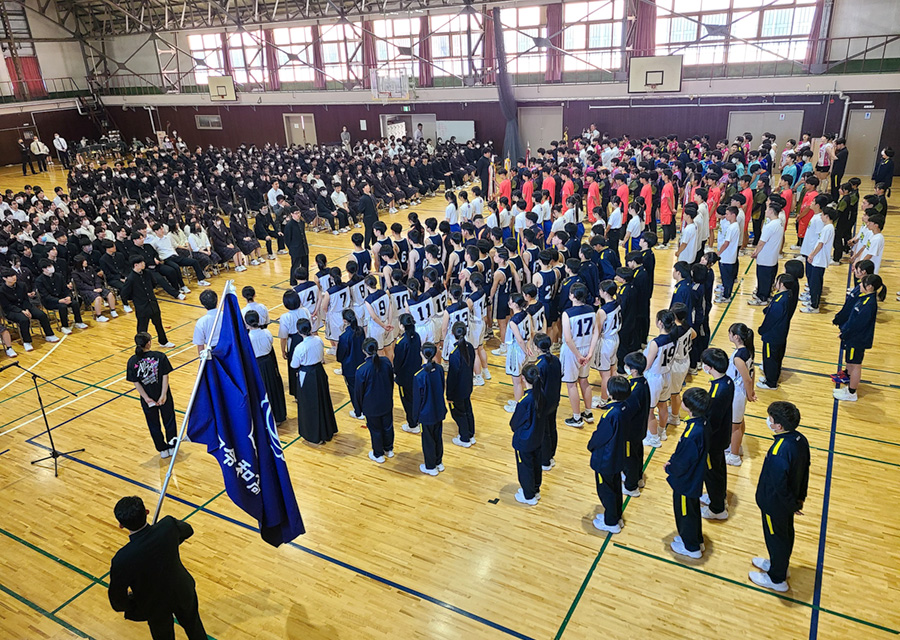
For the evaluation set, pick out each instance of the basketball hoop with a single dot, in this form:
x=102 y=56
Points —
x=651 y=88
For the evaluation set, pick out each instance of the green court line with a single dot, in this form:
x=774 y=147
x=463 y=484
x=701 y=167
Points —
x=34 y=411
x=841 y=433
x=45 y=613
x=836 y=452
x=757 y=589
x=125 y=394
x=49 y=555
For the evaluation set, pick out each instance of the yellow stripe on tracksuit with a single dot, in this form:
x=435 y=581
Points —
x=599 y=478
x=708 y=461
x=769 y=524
x=627 y=448
x=851 y=354
x=777 y=447
x=768 y=350
x=683 y=505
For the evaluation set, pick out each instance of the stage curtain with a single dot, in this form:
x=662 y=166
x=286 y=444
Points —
x=644 y=39
x=426 y=70
x=512 y=143
x=555 y=34
x=816 y=49
x=489 y=52
x=318 y=72
x=368 y=47
x=32 y=84
x=271 y=60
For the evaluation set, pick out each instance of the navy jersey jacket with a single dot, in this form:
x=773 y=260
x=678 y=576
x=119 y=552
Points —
x=775 y=326
x=721 y=394
x=461 y=368
x=688 y=464
x=551 y=381
x=784 y=478
x=349 y=352
x=637 y=406
x=375 y=387
x=407 y=358
x=526 y=426
x=859 y=328
x=428 y=395
x=605 y=445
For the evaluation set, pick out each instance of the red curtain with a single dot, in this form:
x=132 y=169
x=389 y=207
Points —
x=816 y=47
x=226 y=55
x=426 y=71
x=318 y=63
x=271 y=58
x=32 y=84
x=489 y=53
x=555 y=34
x=644 y=33
x=368 y=47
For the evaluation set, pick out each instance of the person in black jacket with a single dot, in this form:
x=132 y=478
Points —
x=721 y=397
x=267 y=228
x=608 y=455
x=635 y=423
x=17 y=307
x=551 y=383
x=774 y=332
x=147 y=580
x=115 y=269
x=25 y=152
x=350 y=355
x=460 y=371
x=162 y=274
x=527 y=426
x=858 y=332
x=295 y=241
x=375 y=395
x=369 y=213
x=429 y=410
x=407 y=361
x=58 y=294
x=780 y=494
x=685 y=471
x=139 y=289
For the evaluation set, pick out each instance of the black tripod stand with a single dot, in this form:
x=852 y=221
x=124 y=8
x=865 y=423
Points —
x=54 y=454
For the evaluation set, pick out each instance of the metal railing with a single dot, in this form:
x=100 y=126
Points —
x=40 y=89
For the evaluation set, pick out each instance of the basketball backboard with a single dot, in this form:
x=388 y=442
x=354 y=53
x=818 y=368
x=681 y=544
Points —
x=221 y=89
x=654 y=74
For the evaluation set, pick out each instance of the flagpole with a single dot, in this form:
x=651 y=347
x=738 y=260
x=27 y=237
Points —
x=229 y=288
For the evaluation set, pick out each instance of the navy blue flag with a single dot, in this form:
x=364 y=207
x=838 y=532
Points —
x=232 y=417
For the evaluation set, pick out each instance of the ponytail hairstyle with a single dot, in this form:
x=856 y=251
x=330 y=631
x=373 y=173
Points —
x=349 y=317
x=352 y=269
x=370 y=349
x=397 y=276
x=459 y=331
x=745 y=334
x=874 y=280
x=517 y=299
x=699 y=273
x=414 y=287
x=679 y=310
x=429 y=351
x=451 y=198
x=321 y=261
x=141 y=341
x=371 y=282
x=252 y=319
x=336 y=276
x=532 y=376
x=455 y=292
x=667 y=319
x=304 y=328
x=610 y=288
x=543 y=342
x=477 y=279
x=408 y=324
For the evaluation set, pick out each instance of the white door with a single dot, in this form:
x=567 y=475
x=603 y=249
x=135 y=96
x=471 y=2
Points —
x=863 y=140
x=300 y=128
x=538 y=126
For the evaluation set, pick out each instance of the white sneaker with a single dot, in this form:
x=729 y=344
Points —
x=254 y=263
x=704 y=499
x=520 y=497
x=358 y=226
x=460 y=443
x=379 y=459
x=65 y=330
x=51 y=338
x=763 y=580
x=763 y=564
x=602 y=526
x=709 y=514
x=240 y=269
x=762 y=384
x=719 y=288
x=835 y=264
x=356 y=417
x=733 y=460
x=663 y=436
x=403 y=206
x=598 y=403
x=165 y=453
x=260 y=260
x=549 y=466
x=509 y=408
x=679 y=548
x=271 y=257
x=335 y=232
x=427 y=471
x=203 y=283
x=486 y=374
x=180 y=296
x=501 y=351
x=126 y=308
x=339 y=371
x=651 y=440
x=185 y=290
x=634 y=494
x=172 y=451
x=11 y=352
x=673 y=420
x=809 y=310
x=440 y=467
x=98 y=319
x=28 y=347
x=756 y=302
x=843 y=394
x=168 y=345
x=510 y=403
x=405 y=426
x=113 y=314
x=795 y=247
x=282 y=252
x=478 y=381
x=720 y=299
x=330 y=351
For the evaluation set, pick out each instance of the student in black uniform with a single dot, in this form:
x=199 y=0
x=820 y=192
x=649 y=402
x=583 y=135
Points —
x=551 y=383
x=681 y=274
x=858 y=332
x=407 y=361
x=429 y=410
x=634 y=260
x=608 y=455
x=628 y=340
x=460 y=370
x=647 y=242
x=635 y=426
x=149 y=372
x=527 y=427
x=721 y=397
x=350 y=355
x=589 y=273
x=780 y=494
x=685 y=471
x=375 y=396
x=774 y=332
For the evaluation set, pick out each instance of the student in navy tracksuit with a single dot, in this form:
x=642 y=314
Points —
x=608 y=455
x=700 y=309
x=640 y=290
x=551 y=383
x=628 y=334
x=780 y=494
x=460 y=369
x=647 y=242
x=350 y=355
x=774 y=332
x=861 y=269
x=375 y=396
x=407 y=361
x=686 y=469
x=681 y=272
x=638 y=412
x=527 y=427
x=721 y=397
x=429 y=410
x=858 y=332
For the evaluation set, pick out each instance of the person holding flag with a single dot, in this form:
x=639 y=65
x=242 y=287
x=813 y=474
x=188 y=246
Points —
x=229 y=412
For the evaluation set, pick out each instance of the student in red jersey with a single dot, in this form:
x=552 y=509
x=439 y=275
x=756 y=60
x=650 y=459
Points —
x=647 y=194
x=568 y=187
x=621 y=180
x=667 y=209
x=806 y=211
x=505 y=189
x=593 y=195
x=747 y=192
x=785 y=184
x=528 y=192
x=549 y=184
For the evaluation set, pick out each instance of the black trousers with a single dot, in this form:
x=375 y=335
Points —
x=462 y=413
x=688 y=521
x=176 y=262
x=297 y=261
x=63 y=158
x=351 y=387
x=370 y=232
x=609 y=490
x=163 y=628
x=406 y=396
x=728 y=273
x=24 y=322
x=41 y=161
x=634 y=453
x=528 y=467
x=30 y=166
x=159 y=280
x=757 y=228
x=843 y=229
x=433 y=444
x=381 y=432
x=835 y=184
x=118 y=286
x=551 y=437
x=773 y=356
x=669 y=231
x=716 y=480
x=143 y=322
x=779 y=534
x=166 y=412
x=816 y=278
x=269 y=245
x=765 y=278
x=63 y=310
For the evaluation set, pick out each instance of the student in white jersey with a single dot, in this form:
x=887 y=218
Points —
x=659 y=353
x=575 y=354
x=457 y=310
x=873 y=249
x=477 y=302
x=334 y=301
x=519 y=346
x=378 y=308
x=605 y=341
x=740 y=370
x=766 y=255
x=684 y=336
x=819 y=260
x=689 y=244
x=421 y=307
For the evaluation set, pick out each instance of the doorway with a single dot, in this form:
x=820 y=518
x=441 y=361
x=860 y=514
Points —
x=538 y=126
x=783 y=124
x=300 y=128
x=863 y=141
x=402 y=124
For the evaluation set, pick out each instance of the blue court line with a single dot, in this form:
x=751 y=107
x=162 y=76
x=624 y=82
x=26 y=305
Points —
x=318 y=554
x=51 y=616
x=4 y=451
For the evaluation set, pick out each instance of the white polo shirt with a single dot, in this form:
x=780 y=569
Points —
x=203 y=329
x=874 y=247
x=690 y=242
x=771 y=236
x=826 y=237
x=733 y=236
x=812 y=234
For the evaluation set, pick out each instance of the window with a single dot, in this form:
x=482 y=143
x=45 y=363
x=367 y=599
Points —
x=247 y=56
x=520 y=26
x=593 y=35
x=208 y=55
x=451 y=41
x=208 y=122
x=390 y=36
x=342 y=51
x=734 y=31
x=294 y=54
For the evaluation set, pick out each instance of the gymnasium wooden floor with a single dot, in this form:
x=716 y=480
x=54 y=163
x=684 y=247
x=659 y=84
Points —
x=393 y=553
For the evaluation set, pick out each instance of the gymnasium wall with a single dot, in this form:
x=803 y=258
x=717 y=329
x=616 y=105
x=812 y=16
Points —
x=67 y=122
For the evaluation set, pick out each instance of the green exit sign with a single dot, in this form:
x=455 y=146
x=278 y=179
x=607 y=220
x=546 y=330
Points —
x=406 y=108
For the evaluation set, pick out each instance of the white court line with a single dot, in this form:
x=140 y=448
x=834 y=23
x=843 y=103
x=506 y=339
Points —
x=61 y=340
x=89 y=393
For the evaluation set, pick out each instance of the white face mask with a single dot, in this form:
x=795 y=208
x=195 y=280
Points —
x=50 y=271
x=770 y=423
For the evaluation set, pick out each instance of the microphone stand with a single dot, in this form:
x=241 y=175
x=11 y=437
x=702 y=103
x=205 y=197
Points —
x=54 y=453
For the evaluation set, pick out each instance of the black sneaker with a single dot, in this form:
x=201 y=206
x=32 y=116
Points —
x=578 y=423
x=588 y=416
